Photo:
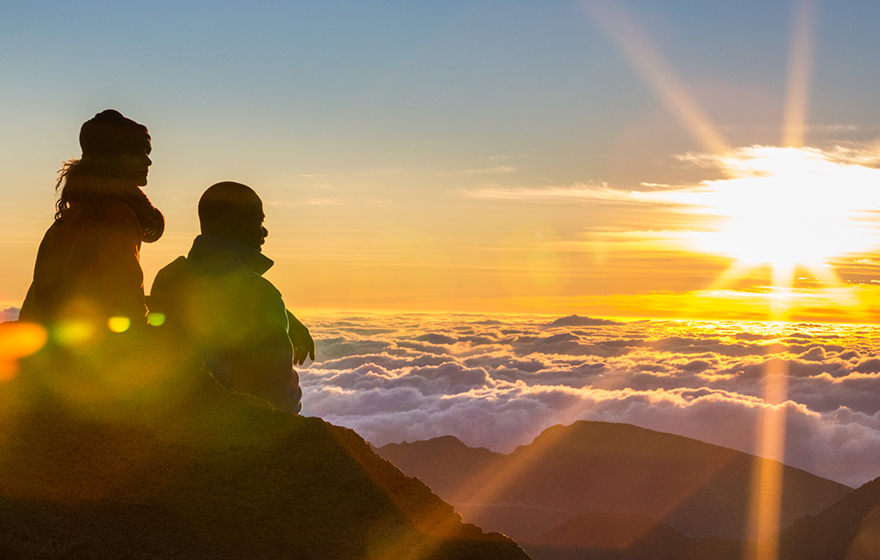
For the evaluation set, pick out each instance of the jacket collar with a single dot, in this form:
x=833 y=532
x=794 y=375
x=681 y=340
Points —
x=213 y=249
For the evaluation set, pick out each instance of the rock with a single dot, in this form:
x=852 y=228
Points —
x=127 y=449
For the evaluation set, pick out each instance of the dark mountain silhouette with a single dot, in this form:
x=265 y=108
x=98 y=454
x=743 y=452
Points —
x=849 y=529
x=125 y=451
x=445 y=461
x=578 y=321
x=699 y=489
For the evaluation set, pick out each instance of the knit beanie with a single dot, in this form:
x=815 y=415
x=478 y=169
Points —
x=109 y=133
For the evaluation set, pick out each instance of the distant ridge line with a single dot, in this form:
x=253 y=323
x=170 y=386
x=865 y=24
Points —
x=699 y=489
x=578 y=321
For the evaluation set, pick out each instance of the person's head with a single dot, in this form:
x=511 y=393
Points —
x=115 y=162
x=233 y=211
x=119 y=144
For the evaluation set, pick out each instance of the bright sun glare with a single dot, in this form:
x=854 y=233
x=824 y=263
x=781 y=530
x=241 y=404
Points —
x=785 y=207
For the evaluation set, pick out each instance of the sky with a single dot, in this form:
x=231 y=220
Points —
x=608 y=158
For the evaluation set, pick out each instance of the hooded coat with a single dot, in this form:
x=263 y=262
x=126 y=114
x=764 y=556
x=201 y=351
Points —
x=88 y=267
x=219 y=305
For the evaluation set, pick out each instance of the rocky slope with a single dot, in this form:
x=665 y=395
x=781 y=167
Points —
x=125 y=450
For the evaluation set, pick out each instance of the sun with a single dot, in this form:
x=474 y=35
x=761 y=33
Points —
x=785 y=207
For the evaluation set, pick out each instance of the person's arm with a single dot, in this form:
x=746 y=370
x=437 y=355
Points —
x=264 y=352
x=303 y=345
x=269 y=374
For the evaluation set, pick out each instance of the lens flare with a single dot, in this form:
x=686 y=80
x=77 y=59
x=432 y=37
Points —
x=18 y=340
x=655 y=69
x=156 y=319
x=118 y=324
x=766 y=499
x=73 y=332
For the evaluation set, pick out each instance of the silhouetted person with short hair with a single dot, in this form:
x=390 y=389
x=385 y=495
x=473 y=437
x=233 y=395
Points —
x=88 y=264
x=219 y=304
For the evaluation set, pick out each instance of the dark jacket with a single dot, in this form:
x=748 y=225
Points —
x=88 y=267
x=222 y=308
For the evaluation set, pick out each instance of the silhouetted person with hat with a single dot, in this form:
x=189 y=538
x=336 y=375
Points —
x=219 y=304
x=88 y=264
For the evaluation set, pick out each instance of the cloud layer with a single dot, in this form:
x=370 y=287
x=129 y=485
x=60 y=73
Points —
x=497 y=382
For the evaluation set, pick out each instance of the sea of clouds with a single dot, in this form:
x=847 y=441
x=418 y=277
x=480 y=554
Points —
x=499 y=381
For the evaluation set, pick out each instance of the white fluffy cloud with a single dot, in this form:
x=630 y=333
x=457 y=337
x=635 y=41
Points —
x=497 y=382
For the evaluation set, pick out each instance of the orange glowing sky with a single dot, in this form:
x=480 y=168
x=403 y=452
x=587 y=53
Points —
x=606 y=158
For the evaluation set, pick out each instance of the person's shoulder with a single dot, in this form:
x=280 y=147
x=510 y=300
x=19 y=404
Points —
x=172 y=271
x=179 y=263
x=253 y=280
x=261 y=287
x=118 y=214
x=117 y=210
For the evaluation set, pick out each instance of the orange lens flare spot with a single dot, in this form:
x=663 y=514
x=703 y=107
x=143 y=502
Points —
x=18 y=340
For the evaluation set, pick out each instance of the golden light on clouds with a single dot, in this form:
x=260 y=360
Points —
x=785 y=207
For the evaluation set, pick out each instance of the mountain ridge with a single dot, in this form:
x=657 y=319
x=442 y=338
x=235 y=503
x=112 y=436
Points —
x=850 y=529
x=699 y=489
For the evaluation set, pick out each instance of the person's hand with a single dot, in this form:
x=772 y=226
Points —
x=303 y=345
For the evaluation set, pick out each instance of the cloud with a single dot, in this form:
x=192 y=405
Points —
x=9 y=314
x=324 y=202
x=578 y=191
x=497 y=382
x=494 y=169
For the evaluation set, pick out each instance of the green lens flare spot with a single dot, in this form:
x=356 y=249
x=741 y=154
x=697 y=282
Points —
x=156 y=319
x=73 y=332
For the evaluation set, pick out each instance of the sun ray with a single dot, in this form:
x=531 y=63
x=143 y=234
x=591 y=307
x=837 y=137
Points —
x=799 y=73
x=766 y=499
x=768 y=480
x=626 y=34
